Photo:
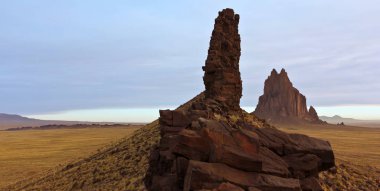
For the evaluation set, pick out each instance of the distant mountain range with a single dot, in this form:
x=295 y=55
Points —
x=350 y=121
x=8 y=121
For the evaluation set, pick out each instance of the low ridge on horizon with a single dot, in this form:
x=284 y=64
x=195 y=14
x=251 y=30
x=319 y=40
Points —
x=14 y=121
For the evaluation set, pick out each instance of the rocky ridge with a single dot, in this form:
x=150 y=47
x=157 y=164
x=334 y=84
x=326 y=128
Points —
x=283 y=103
x=215 y=145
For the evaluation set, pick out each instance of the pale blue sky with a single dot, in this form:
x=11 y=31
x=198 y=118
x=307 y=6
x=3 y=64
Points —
x=73 y=59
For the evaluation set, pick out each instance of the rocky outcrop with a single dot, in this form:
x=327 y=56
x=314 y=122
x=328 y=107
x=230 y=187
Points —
x=222 y=77
x=282 y=103
x=313 y=115
x=215 y=145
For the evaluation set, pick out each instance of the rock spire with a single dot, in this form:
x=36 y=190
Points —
x=222 y=77
x=283 y=103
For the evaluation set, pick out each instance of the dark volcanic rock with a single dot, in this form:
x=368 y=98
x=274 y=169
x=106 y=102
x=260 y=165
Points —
x=303 y=165
x=192 y=146
x=215 y=145
x=282 y=103
x=222 y=77
x=310 y=184
x=237 y=158
x=228 y=187
x=201 y=175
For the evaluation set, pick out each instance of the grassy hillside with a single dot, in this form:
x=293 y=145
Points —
x=28 y=153
x=121 y=166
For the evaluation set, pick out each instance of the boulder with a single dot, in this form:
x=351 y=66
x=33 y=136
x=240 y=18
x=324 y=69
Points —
x=168 y=142
x=285 y=144
x=192 y=146
x=272 y=163
x=248 y=141
x=237 y=158
x=181 y=166
x=180 y=119
x=167 y=182
x=216 y=132
x=318 y=147
x=174 y=118
x=279 y=142
x=226 y=186
x=310 y=184
x=164 y=130
x=201 y=175
x=253 y=189
x=303 y=165
x=166 y=117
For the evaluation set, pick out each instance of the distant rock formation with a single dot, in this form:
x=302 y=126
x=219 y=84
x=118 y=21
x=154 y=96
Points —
x=313 y=115
x=222 y=77
x=215 y=145
x=283 y=103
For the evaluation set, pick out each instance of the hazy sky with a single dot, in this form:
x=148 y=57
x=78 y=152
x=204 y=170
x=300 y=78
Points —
x=84 y=59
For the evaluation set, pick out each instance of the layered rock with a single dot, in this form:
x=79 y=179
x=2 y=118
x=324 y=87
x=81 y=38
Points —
x=222 y=77
x=283 y=103
x=215 y=145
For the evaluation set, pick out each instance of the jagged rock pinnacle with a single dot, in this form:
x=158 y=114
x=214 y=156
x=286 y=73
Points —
x=282 y=102
x=222 y=77
x=313 y=114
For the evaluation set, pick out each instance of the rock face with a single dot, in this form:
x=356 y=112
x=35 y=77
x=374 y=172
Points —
x=222 y=77
x=313 y=115
x=215 y=145
x=282 y=103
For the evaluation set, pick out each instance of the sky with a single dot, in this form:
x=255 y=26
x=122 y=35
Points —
x=123 y=60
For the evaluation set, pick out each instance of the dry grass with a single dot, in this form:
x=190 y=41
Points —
x=120 y=166
x=31 y=152
x=348 y=176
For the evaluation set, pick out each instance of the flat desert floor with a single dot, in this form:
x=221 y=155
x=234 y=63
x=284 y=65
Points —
x=30 y=153
x=358 y=145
